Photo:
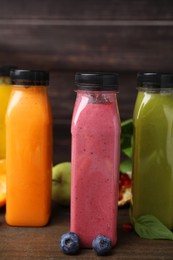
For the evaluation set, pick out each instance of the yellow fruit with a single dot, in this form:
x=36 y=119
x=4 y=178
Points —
x=61 y=176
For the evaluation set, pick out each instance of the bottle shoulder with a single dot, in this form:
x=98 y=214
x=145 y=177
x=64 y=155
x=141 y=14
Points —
x=153 y=106
x=28 y=105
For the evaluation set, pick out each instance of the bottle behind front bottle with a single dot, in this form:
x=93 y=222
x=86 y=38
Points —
x=5 y=91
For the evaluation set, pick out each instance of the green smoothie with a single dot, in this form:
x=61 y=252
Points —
x=153 y=155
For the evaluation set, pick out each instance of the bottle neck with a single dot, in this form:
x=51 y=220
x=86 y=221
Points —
x=156 y=90
x=30 y=90
x=29 y=87
x=99 y=97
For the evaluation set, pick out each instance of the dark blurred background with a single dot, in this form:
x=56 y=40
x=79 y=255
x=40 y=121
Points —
x=65 y=36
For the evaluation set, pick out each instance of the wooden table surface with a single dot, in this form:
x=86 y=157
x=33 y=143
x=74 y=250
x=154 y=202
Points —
x=42 y=243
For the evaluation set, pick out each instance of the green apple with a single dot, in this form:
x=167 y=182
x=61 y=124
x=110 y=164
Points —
x=61 y=176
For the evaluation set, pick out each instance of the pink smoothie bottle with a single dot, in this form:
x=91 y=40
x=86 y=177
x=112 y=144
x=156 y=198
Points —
x=95 y=157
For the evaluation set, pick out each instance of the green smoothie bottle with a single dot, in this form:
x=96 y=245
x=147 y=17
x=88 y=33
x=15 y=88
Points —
x=152 y=191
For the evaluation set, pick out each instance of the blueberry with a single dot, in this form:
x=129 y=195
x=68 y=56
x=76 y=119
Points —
x=69 y=243
x=102 y=245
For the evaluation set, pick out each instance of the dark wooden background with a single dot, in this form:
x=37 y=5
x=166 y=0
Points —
x=65 y=36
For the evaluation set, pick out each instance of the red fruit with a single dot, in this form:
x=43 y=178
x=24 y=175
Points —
x=120 y=196
x=124 y=176
x=127 y=183
x=127 y=227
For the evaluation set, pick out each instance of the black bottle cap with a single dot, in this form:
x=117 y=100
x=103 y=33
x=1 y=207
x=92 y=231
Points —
x=167 y=80
x=97 y=81
x=6 y=70
x=149 y=79
x=30 y=77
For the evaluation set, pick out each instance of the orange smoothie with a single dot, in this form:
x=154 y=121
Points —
x=5 y=90
x=28 y=156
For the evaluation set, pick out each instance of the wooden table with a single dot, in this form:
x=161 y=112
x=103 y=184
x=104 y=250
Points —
x=42 y=243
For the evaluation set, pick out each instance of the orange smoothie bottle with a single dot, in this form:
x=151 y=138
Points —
x=5 y=90
x=28 y=150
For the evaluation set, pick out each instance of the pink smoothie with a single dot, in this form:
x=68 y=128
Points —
x=95 y=170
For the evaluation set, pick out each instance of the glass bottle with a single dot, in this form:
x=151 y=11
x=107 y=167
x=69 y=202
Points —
x=29 y=150
x=153 y=148
x=95 y=157
x=5 y=90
